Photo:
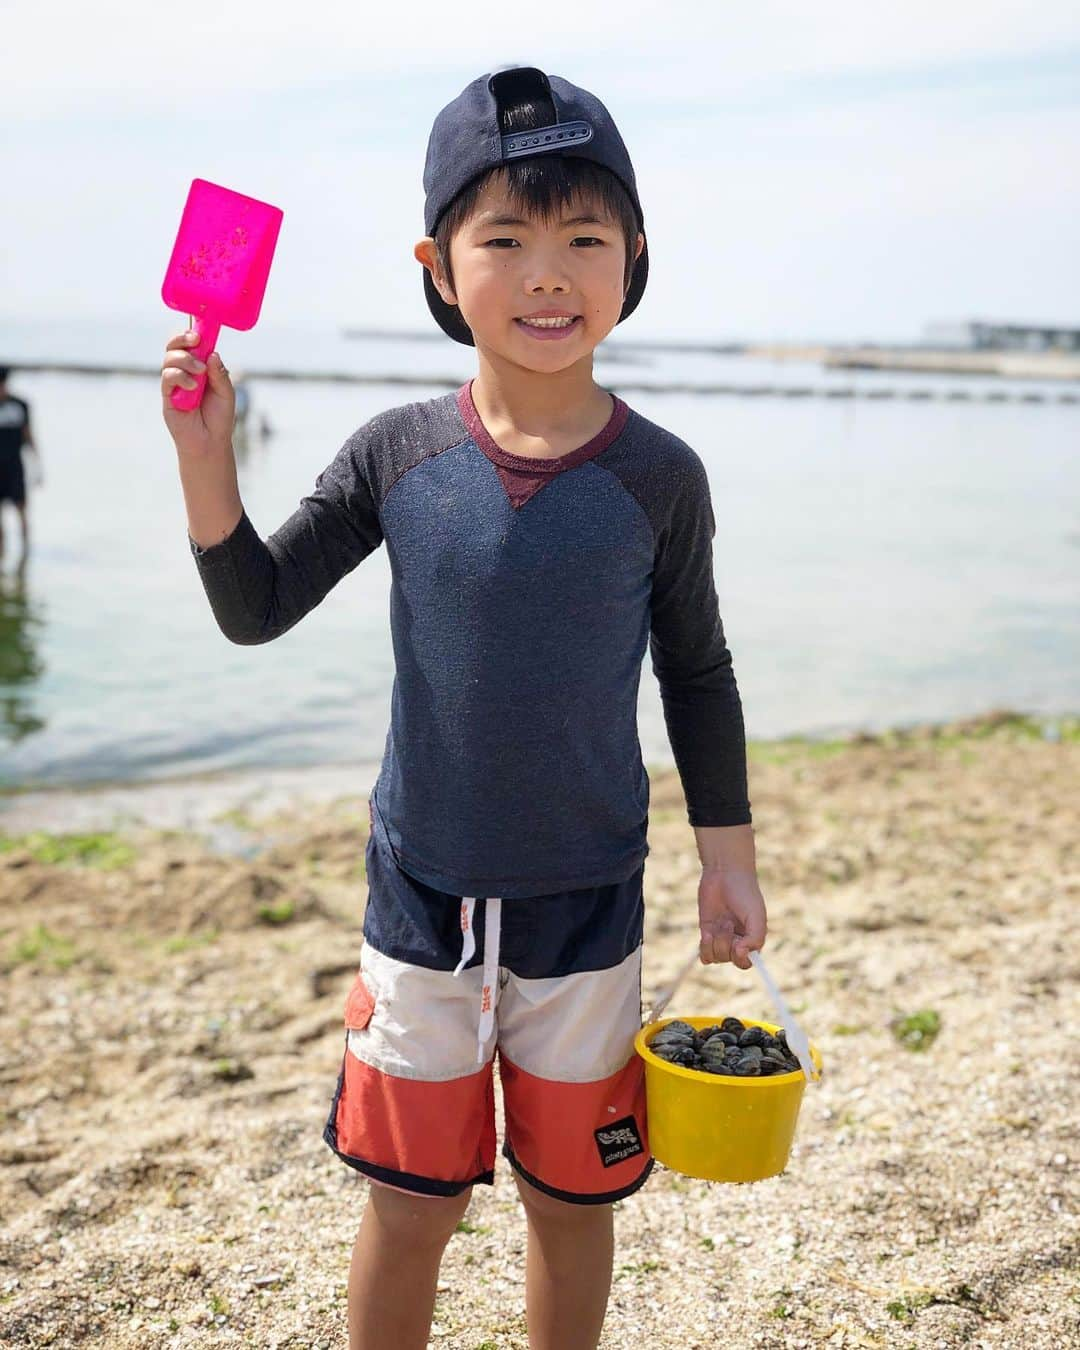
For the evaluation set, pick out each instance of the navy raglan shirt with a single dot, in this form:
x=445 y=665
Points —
x=524 y=594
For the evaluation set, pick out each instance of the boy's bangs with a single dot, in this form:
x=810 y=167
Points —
x=549 y=189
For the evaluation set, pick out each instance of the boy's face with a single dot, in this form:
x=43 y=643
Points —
x=507 y=267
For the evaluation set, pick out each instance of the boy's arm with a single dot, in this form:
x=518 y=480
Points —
x=726 y=848
x=259 y=590
x=705 y=724
x=692 y=663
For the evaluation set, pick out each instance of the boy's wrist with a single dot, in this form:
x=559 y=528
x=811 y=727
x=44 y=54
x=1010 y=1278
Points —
x=726 y=848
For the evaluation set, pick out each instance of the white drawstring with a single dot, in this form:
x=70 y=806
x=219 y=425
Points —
x=468 y=941
x=492 y=915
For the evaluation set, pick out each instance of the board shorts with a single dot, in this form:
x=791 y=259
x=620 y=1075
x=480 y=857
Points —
x=551 y=984
x=12 y=478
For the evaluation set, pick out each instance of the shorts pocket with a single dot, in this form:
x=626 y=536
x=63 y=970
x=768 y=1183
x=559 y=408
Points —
x=359 y=1005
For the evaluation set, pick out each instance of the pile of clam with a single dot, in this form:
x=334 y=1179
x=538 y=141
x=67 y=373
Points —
x=730 y=1048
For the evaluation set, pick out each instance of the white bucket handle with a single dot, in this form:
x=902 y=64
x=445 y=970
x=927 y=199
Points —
x=796 y=1037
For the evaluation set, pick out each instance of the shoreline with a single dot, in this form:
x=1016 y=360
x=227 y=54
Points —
x=172 y=1037
x=211 y=802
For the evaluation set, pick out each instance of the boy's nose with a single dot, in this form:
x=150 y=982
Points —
x=547 y=276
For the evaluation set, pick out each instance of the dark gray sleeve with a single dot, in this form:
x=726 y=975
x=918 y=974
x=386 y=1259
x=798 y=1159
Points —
x=259 y=590
x=692 y=661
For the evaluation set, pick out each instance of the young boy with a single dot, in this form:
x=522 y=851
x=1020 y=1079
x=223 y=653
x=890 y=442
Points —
x=541 y=534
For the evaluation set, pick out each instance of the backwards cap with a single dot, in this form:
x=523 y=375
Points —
x=467 y=140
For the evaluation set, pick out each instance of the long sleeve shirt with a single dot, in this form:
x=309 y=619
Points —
x=524 y=595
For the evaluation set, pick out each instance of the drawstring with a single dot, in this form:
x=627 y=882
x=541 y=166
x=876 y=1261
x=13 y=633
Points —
x=492 y=912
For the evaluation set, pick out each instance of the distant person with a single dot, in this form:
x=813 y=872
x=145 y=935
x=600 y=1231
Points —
x=543 y=537
x=14 y=434
x=242 y=405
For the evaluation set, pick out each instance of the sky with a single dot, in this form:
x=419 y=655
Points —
x=835 y=171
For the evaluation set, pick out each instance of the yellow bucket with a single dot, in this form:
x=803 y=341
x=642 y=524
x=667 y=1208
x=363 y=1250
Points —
x=716 y=1127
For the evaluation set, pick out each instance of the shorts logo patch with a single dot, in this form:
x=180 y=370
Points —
x=618 y=1141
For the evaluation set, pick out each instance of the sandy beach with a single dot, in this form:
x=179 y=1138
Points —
x=171 y=1021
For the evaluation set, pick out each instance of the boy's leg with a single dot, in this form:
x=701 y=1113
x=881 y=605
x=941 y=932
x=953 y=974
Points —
x=568 y=1270
x=395 y=1267
x=574 y=1094
x=413 y=1110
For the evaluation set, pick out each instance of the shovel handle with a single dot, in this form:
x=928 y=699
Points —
x=208 y=328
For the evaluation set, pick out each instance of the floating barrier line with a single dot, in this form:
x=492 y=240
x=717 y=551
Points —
x=918 y=394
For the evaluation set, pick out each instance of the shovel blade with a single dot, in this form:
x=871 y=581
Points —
x=221 y=259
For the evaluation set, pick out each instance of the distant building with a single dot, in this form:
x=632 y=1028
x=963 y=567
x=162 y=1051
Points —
x=989 y=335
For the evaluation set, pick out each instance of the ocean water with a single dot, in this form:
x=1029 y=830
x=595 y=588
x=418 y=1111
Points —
x=877 y=562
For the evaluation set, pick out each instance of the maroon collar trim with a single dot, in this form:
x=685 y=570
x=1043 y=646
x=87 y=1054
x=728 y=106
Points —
x=529 y=463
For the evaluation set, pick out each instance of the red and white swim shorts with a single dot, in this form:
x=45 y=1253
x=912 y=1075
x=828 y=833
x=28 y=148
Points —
x=551 y=985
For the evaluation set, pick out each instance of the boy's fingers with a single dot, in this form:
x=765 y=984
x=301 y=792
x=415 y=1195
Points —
x=715 y=947
x=182 y=341
x=743 y=946
x=172 y=375
x=185 y=361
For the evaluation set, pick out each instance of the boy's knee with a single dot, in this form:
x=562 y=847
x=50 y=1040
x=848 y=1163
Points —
x=418 y=1218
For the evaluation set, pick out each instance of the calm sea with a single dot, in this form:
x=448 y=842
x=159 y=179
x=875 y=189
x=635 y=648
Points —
x=878 y=562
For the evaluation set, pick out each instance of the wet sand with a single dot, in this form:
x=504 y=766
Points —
x=171 y=1022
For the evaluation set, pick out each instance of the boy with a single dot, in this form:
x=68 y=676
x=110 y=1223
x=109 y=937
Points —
x=541 y=534
x=14 y=434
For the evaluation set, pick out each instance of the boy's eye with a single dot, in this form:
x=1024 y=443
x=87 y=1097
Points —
x=588 y=238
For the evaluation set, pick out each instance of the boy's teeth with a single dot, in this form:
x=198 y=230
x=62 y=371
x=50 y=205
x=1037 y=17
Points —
x=548 y=323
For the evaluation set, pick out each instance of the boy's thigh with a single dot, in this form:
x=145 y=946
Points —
x=573 y=1086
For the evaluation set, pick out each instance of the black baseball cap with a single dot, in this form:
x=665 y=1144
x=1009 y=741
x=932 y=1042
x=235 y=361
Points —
x=466 y=140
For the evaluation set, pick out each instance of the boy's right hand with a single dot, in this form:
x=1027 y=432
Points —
x=207 y=429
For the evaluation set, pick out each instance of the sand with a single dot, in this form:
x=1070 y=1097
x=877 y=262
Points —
x=170 y=1013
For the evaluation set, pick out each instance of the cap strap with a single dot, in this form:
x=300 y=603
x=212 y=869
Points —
x=555 y=137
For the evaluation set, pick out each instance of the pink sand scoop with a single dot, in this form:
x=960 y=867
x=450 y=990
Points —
x=219 y=266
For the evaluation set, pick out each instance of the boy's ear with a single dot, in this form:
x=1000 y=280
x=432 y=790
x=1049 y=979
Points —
x=425 y=253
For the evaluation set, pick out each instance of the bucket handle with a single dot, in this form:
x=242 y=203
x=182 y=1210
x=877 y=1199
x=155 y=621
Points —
x=796 y=1037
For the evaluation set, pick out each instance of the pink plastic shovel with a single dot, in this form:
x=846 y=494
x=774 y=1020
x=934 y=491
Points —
x=219 y=266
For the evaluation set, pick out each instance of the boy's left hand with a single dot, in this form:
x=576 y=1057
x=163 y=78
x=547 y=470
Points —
x=731 y=914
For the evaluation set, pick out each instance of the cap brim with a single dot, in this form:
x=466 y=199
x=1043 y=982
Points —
x=449 y=319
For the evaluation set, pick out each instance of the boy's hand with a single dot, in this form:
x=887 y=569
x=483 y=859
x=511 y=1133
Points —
x=731 y=914
x=207 y=429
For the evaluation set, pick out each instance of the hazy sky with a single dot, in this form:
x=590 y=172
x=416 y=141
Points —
x=834 y=170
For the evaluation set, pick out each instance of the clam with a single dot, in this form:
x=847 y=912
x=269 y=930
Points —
x=684 y=1027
